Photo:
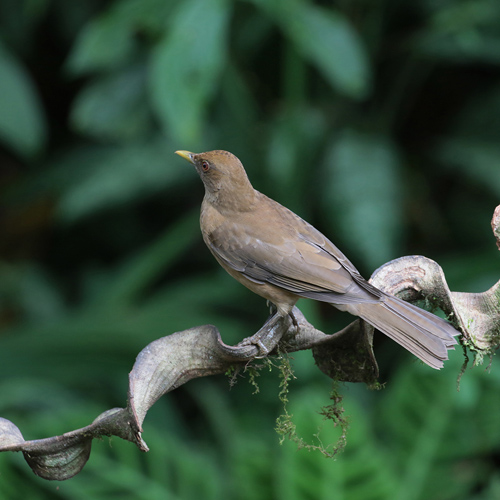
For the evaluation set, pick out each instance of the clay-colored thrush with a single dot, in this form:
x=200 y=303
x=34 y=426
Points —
x=281 y=257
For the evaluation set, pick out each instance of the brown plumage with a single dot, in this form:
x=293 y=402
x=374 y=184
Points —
x=281 y=257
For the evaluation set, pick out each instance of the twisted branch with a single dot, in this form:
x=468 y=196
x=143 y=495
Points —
x=347 y=355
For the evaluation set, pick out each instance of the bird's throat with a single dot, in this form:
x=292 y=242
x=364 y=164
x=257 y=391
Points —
x=233 y=201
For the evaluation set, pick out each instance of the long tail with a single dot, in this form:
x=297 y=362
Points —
x=422 y=333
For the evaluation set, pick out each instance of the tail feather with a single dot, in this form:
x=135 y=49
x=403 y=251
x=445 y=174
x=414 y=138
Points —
x=423 y=334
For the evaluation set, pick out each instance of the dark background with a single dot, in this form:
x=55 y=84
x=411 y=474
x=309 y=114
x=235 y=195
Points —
x=379 y=122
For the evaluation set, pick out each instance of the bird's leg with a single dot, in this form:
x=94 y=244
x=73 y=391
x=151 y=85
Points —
x=273 y=309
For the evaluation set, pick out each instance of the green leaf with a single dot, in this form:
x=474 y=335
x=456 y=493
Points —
x=364 y=189
x=327 y=40
x=463 y=32
x=186 y=66
x=431 y=426
x=143 y=269
x=92 y=179
x=22 y=123
x=294 y=141
x=148 y=16
x=113 y=107
x=104 y=43
x=110 y=39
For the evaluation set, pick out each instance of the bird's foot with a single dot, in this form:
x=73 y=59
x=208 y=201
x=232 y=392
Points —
x=272 y=308
x=294 y=321
x=256 y=340
x=268 y=337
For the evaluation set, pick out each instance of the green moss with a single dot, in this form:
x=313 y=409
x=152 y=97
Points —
x=334 y=412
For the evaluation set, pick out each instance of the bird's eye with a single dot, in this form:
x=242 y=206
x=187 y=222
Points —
x=205 y=166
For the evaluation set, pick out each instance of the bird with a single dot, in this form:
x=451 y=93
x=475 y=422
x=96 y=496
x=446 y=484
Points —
x=281 y=257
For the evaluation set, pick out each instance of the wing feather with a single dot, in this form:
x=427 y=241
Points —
x=298 y=259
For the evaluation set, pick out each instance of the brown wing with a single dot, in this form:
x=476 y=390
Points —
x=297 y=258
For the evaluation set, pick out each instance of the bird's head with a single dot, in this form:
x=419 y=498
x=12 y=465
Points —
x=222 y=174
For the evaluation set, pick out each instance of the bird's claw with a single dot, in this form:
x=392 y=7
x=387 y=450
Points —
x=256 y=340
x=268 y=337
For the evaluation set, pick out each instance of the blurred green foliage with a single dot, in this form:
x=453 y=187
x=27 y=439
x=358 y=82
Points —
x=376 y=121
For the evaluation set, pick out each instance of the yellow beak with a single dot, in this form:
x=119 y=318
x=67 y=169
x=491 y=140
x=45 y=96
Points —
x=187 y=155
